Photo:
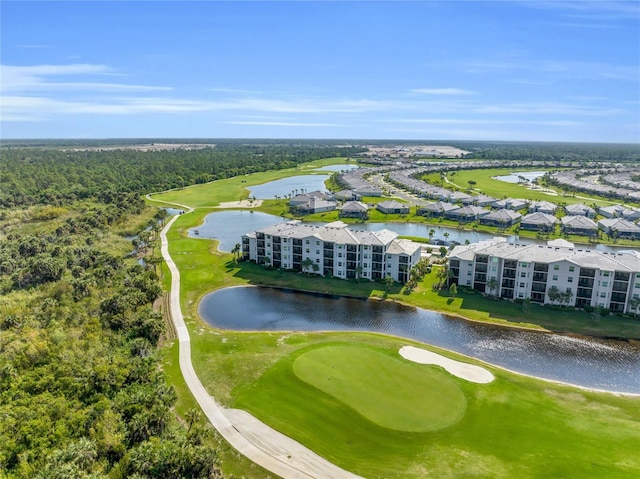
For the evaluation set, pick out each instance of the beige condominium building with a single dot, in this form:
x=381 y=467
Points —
x=586 y=277
x=332 y=249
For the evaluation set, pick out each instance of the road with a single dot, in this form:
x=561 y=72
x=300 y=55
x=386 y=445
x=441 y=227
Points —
x=263 y=445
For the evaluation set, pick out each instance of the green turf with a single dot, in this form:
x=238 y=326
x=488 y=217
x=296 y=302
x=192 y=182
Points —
x=392 y=393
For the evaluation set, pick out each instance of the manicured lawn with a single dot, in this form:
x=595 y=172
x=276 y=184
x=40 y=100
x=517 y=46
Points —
x=498 y=189
x=513 y=427
x=423 y=399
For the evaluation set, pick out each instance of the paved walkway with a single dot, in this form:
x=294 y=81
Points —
x=263 y=445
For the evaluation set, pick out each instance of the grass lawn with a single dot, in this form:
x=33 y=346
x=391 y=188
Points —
x=498 y=189
x=513 y=427
x=424 y=399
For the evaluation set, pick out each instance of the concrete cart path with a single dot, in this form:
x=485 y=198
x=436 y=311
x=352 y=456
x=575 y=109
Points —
x=263 y=445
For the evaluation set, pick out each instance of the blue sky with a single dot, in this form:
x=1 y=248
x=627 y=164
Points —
x=456 y=70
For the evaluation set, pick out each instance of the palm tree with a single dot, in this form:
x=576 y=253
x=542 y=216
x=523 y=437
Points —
x=306 y=265
x=358 y=272
x=634 y=303
x=554 y=294
x=388 y=282
x=492 y=284
x=236 y=252
x=315 y=267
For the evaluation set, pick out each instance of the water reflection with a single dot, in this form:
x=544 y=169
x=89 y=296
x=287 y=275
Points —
x=612 y=366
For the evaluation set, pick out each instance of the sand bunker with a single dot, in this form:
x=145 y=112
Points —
x=469 y=372
x=241 y=204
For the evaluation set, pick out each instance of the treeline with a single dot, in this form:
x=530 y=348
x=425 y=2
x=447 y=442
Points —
x=81 y=391
x=552 y=152
x=48 y=176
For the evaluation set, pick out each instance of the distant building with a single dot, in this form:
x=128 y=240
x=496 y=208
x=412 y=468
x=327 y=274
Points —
x=502 y=218
x=579 y=209
x=538 y=222
x=514 y=271
x=436 y=210
x=392 y=207
x=466 y=214
x=510 y=204
x=334 y=248
x=619 y=228
x=354 y=209
x=578 y=225
x=543 y=207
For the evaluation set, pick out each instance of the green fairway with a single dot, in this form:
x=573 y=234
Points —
x=513 y=427
x=389 y=392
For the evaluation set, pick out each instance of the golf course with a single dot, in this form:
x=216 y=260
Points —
x=355 y=400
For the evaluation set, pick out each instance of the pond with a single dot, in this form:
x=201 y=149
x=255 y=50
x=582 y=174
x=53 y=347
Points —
x=229 y=226
x=584 y=362
x=291 y=185
x=515 y=176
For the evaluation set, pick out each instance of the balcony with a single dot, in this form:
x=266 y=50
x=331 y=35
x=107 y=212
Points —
x=540 y=277
x=480 y=277
x=539 y=287
x=540 y=267
x=588 y=272
x=509 y=273
x=620 y=286
x=481 y=268
x=585 y=283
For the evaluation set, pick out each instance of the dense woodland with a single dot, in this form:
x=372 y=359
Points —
x=81 y=391
x=49 y=176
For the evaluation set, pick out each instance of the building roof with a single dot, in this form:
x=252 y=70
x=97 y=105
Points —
x=439 y=207
x=579 y=209
x=539 y=218
x=403 y=246
x=502 y=215
x=583 y=257
x=354 y=206
x=338 y=232
x=392 y=204
x=619 y=224
x=470 y=211
x=543 y=205
x=579 y=221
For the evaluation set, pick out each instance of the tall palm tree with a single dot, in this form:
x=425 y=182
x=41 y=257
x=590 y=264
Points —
x=306 y=264
x=236 y=252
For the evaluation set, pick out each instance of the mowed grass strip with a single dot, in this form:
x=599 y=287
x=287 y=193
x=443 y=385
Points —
x=389 y=392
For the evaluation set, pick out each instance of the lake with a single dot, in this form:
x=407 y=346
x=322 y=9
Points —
x=584 y=362
x=229 y=226
x=513 y=177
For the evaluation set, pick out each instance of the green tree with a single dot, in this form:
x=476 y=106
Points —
x=453 y=290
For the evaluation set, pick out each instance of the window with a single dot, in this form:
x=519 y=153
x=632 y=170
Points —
x=605 y=273
x=339 y=263
x=468 y=282
x=307 y=250
x=555 y=277
x=339 y=255
x=556 y=267
x=520 y=295
x=388 y=256
x=523 y=275
x=572 y=269
x=307 y=241
x=388 y=265
x=522 y=285
x=317 y=260
x=366 y=246
x=570 y=279
x=468 y=273
x=605 y=283
x=366 y=255
x=524 y=265
x=317 y=251
x=603 y=295
x=317 y=242
x=493 y=268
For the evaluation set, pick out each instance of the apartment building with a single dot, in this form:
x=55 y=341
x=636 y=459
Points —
x=334 y=249
x=515 y=271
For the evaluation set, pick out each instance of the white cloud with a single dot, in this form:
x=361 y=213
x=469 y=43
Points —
x=23 y=79
x=442 y=91
x=284 y=123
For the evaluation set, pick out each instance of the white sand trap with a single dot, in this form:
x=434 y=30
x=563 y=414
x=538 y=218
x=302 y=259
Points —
x=469 y=372
x=240 y=204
